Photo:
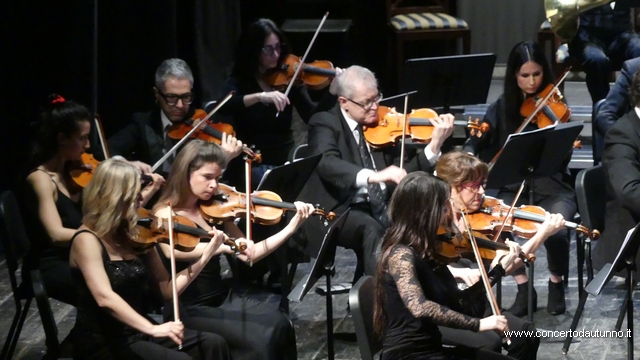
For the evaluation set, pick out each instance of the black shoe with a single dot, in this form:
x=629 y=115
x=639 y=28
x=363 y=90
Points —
x=519 y=307
x=556 y=304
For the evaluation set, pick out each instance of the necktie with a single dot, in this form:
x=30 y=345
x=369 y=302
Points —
x=377 y=195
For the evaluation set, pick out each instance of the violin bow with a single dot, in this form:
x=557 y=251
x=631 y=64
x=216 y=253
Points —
x=541 y=104
x=100 y=132
x=248 y=230
x=295 y=74
x=197 y=126
x=174 y=286
x=513 y=204
x=495 y=309
x=404 y=130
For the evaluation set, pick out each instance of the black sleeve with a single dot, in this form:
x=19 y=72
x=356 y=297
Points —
x=475 y=144
x=401 y=267
x=617 y=102
x=125 y=141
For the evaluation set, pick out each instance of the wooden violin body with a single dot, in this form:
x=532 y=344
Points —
x=316 y=75
x=267 y=207
x=153 y=229
x=452 y=246
x=82 y=171
x=553 y=111
x=419 y=127
x=524 y=221
x=211 y=132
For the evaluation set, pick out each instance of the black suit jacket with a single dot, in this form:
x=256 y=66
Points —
x=142 y=139
x=617 y=102
x=621 y=162
x=333 y=184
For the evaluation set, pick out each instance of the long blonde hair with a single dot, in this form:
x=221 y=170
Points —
x=109 y=201
x=191 y=158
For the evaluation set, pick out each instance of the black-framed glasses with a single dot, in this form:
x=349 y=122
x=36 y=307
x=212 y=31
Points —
x=172 y=99
x=369 y=104
x=270 y=49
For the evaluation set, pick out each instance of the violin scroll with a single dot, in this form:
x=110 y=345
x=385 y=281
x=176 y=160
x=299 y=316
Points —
x=477 y=129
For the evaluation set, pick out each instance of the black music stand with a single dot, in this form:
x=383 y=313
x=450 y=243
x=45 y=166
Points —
x=447 y=81
x=530 y=155
x=625 y=260
x=287 y=181
x=323 y=266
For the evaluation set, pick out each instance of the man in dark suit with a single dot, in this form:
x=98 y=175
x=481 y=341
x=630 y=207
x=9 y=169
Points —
x=621 y=163
x=351 y=173
x=145 y=139
x=617 y=102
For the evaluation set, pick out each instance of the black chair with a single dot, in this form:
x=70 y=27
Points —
x=597 y=139
x=361 y=299
x=590 y=185
x=16 y=247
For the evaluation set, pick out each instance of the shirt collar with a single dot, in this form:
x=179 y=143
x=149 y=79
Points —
x=352 y=123
x=165 y=120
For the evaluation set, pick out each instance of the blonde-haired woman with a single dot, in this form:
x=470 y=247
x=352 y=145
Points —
x=251 y=329
x=116 y=283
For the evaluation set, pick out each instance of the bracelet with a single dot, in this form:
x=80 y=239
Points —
x=262 y=97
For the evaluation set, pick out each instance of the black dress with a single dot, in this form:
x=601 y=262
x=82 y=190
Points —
x=51 y=260
x=102 y=336
x=253 y=330
x=435 y=297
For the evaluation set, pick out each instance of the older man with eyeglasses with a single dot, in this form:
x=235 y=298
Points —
x=351 y=173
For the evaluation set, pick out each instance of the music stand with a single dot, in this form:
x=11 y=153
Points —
x=530 y=155
x=626 y=259
x=447 y=81
x=323 y=266
x=287 y=181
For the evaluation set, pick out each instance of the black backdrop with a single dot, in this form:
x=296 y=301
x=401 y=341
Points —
x=47 y=47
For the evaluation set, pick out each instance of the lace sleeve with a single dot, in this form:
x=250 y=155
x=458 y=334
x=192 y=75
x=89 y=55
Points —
x=402 y=269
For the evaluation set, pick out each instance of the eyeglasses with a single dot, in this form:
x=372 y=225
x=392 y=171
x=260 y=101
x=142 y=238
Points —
x=270 y=49
x=172 y=99
x=369 y=104
x=474 y=186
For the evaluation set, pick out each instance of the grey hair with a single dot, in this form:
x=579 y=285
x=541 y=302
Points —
x=345 y=84
x=177 y=68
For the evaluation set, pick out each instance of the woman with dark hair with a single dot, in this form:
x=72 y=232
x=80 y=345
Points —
x=262 y=47
x=117 y=282
x=528 y=73
x=52 y=201
x=253 y=330
x=415 y=291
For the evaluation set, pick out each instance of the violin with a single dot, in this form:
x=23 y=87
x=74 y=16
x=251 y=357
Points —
x=452 y=246
x=211 y=132
x=267 y=206
x=82 y=171
x=419 y=127
x=152 y=229
x=523 y=221
x=315 y=76
x=553 y=111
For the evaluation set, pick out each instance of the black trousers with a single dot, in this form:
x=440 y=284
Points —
x=252 y=330
x=195 y=345
x=363 y=234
